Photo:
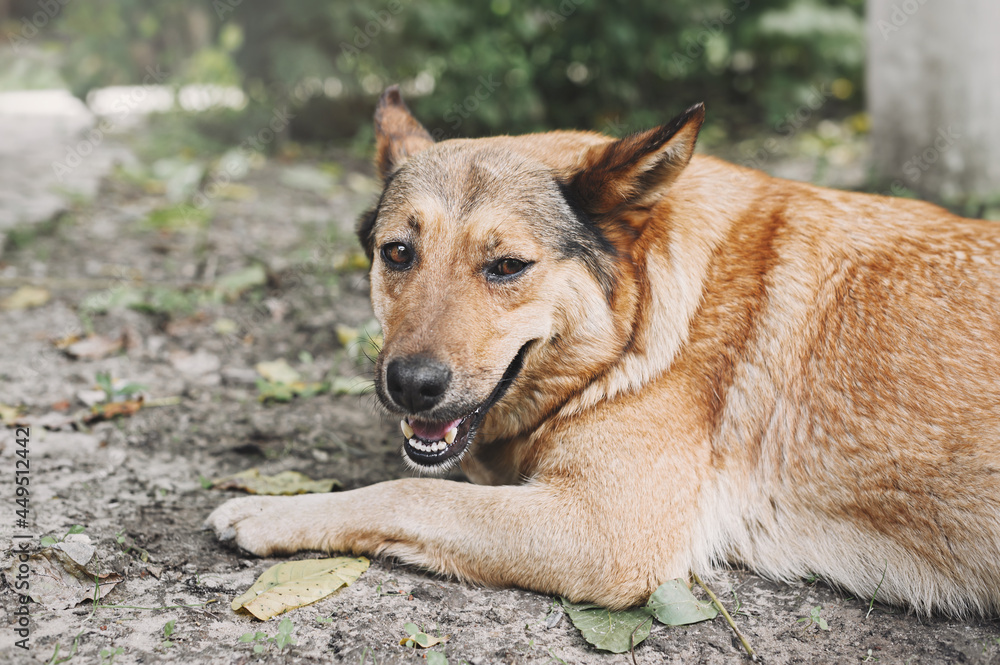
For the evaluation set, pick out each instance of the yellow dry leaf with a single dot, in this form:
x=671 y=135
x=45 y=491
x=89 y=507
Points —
x=9 y=414
x=26 y=297
x=292 y=584
x=278 y=371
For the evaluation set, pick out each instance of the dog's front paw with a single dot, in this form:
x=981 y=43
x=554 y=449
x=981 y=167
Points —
x=262 y=525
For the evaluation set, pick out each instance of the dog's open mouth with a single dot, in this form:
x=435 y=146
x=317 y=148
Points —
x=433 y=444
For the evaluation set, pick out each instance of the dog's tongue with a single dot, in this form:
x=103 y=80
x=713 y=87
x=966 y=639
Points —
x=430 y=431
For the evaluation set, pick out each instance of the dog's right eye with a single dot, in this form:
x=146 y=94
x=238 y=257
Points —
x=397 y=255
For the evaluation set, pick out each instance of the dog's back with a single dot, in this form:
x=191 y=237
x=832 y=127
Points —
x=855 y=393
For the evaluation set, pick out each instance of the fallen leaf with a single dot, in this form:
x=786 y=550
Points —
x=94 y=347
x=278 y=371
x=418 y=638
x=284 y=483
x=268 y=391
x=65 y=342
x=100 y=412
x=225 y=326
x=611 y=631
x=26 y=297
x=232 y=285
x=236 y=192
x=9 y=414
x=345 y=334
x=78 y=547
x=58 y=582
x=61 y=405
x=292 y=584
x=673 y=604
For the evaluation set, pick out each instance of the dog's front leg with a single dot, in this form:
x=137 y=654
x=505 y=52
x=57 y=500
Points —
x=535 y=536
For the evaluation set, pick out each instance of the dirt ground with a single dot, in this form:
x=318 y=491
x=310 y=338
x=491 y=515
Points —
x=136 y=483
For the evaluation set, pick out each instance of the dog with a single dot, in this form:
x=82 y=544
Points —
x=652 y=363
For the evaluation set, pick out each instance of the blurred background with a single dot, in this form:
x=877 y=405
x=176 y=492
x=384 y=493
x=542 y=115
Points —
x=784 y=80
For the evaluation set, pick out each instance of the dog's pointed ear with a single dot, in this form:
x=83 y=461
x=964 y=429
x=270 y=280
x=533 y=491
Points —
x=638 y=169
x=398 y=135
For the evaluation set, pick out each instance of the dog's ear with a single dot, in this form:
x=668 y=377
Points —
x=638 y=169
x=398 y=135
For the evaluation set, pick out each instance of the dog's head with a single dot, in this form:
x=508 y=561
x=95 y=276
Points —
x=503 y=270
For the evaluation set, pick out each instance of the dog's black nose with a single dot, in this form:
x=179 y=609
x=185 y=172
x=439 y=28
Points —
x=416 y=383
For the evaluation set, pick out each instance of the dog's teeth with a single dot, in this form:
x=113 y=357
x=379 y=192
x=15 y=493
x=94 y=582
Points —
x=450 y=436
x=407 y=430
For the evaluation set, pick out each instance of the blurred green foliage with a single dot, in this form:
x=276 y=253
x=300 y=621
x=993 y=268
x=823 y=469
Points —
x=477 y=68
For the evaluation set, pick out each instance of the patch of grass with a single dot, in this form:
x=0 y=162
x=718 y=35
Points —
x=49 y=541
x=814 y=619
x=108 y=655
x=168 y=630
x=260 y=640
x=180 y=217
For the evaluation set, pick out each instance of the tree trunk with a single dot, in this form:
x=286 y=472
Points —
x=933 y=92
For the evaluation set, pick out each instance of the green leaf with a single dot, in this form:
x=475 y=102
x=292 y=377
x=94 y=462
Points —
x=411 y=628
x=77 y=528
x=436 y=658
x=47 y=541
x=246 y=637
x=611 y=631
x=232 y=285
x=278 y=371
x=258 y=648
x=674 y=605
x=168 y=628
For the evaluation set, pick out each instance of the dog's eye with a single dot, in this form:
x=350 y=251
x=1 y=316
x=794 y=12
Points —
x=397 y=255
x=506 y=267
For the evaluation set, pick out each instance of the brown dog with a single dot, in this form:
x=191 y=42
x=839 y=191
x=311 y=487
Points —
x=654 y=363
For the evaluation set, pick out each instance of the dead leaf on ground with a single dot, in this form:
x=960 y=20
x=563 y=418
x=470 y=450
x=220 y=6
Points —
x=94 y=347
x=232 y=285
x=100 y=412
x=60 y=583
x=9 y=414
x=78 y=547
x=286 y=586
x=278 y=371
x=26 y=297
x=284 y=483
x=64 y=343
x=419 y=639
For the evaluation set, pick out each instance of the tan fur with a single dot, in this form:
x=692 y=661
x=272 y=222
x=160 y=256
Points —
x=800 y=379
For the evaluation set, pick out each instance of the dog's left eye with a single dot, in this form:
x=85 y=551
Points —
x=506 y=267
x=397 y=255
